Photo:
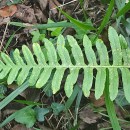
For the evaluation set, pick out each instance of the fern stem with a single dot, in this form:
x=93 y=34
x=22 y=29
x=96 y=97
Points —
x=110 y=106
x=73 y=66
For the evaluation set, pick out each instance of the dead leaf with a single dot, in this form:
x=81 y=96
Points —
x=1 y=20
x=32 y=94
x=42 y=4
x=103 y=125
x=52 y=7
x=8 y=11
x=88 y=116
x=56 y=2
x=26 y=14
x=2 y=3
x=40 y=16
x=11 y=108
x=97 y=103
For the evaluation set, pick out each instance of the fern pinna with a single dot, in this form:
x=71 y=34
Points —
x=19 y=68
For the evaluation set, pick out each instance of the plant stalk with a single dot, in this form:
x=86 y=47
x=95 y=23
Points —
x=110 y=105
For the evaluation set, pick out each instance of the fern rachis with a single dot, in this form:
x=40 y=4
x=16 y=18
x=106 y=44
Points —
x=41 y=70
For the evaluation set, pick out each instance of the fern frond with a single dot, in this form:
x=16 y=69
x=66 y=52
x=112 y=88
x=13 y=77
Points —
x=40 y=69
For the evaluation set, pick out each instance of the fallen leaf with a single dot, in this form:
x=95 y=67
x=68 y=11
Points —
x=11 y=108
x=4 y=20
x=88 y=116
x=40 y=16
x=30 y=94
x=25 y=13
x=52 y=7
x=42 y=4
x=97 y=103
x=2 y=3
x=8 y=11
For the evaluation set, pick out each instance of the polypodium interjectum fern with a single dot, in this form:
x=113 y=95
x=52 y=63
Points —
x=19 y=68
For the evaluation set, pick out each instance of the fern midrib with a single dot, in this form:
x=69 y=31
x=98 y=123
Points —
x=66 y=66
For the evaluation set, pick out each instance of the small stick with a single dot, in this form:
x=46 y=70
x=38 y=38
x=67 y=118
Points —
x=1 y=45
x=64 y=4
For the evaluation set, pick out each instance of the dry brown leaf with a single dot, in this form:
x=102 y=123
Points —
x=3 y=3
x=40 y=16
x=42 y=4
x=56 y=2
x=32 y=94
x=87 y=115
x=1 y=128
x=97 y=103
x=8 y=11
x=52 y=6
x=11 y=108
x=26 y=14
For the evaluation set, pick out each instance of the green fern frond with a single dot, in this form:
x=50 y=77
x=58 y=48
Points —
x=41 y=69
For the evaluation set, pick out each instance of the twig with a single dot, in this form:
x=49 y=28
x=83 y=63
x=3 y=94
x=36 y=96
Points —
x=1 y=45
x=64 y=4
x=59 y=122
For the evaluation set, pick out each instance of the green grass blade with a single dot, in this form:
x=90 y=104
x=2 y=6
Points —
x=124 y=10
x=79 y=24
x=77 y=105
x=84 y=11
x=43 y=26
x=72 y=97
x=106 y=17
x=110 y=106
x=10 y=39
x=13 y=95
